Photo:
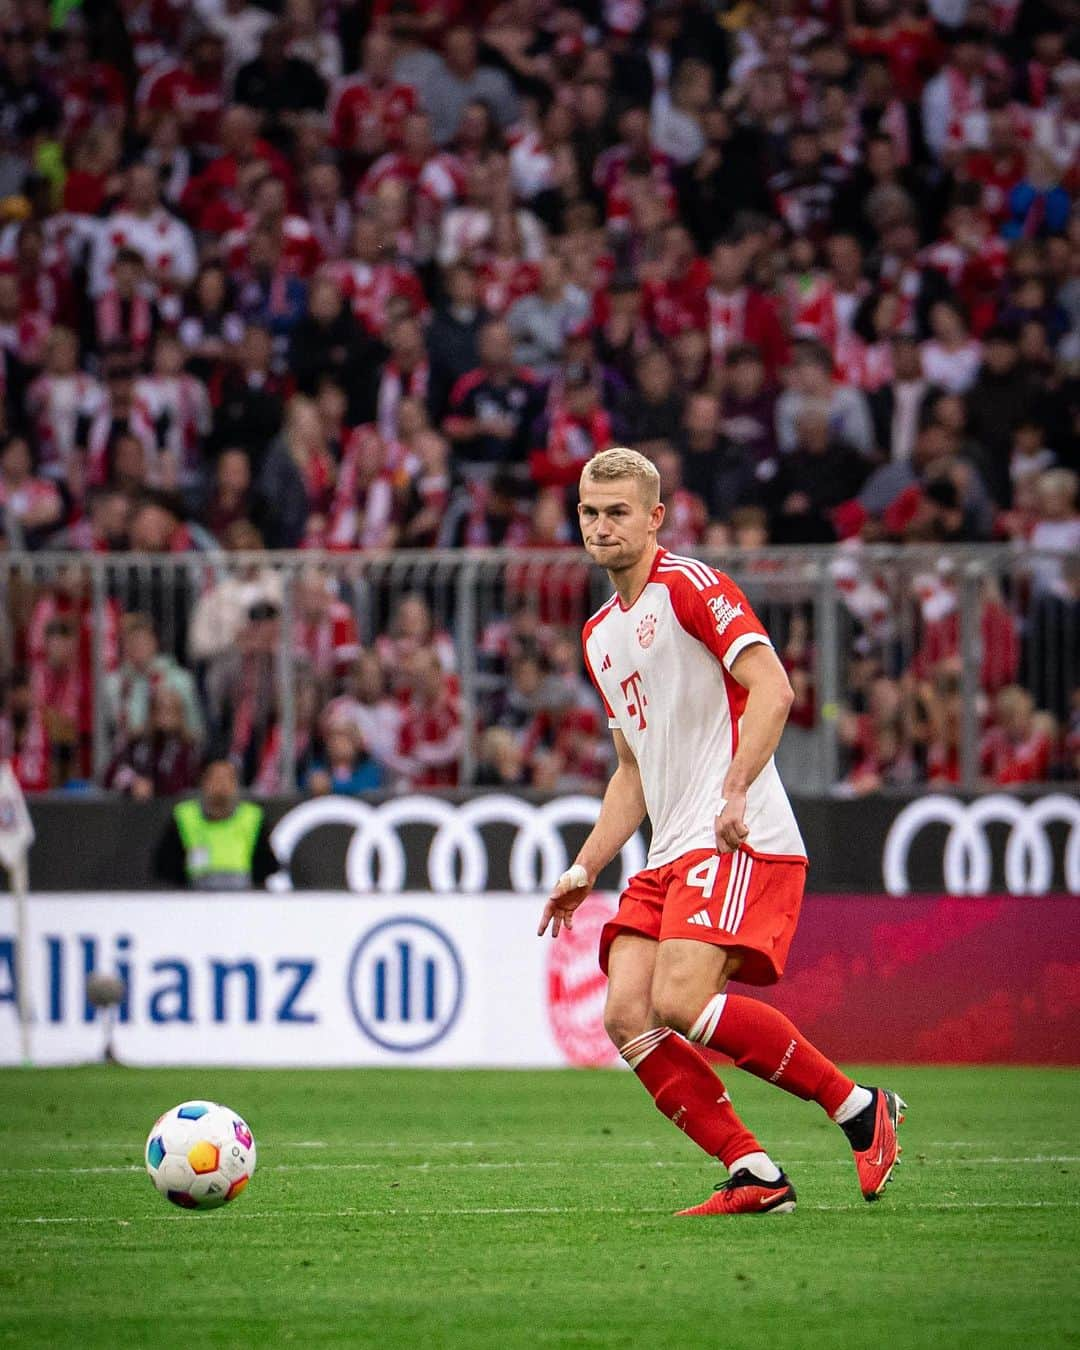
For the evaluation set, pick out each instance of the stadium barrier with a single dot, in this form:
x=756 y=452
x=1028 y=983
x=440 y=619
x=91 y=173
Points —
x=999 y=843
x=989 y=611
x=463 y=980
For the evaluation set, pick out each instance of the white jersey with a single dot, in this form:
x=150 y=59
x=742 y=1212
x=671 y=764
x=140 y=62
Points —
x=663 y=668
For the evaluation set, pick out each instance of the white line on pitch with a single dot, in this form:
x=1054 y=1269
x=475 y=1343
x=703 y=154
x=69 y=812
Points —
x=484 y=1210
x=505 y=1164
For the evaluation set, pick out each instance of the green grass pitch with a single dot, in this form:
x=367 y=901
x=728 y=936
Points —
x=475 y=1210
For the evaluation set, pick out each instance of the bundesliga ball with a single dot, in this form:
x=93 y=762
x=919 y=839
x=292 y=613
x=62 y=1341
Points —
x=200 y=1155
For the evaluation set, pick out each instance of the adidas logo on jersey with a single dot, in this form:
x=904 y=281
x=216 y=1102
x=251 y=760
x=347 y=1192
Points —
x=606 y=663
x=724 y=612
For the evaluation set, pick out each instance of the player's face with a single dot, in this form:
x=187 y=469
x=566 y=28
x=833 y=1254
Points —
x=616 y=524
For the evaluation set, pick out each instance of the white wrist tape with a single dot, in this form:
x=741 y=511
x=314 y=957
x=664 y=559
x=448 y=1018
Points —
x=574 y=877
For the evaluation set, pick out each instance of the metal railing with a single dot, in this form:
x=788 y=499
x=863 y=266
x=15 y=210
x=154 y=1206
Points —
x=964 y=620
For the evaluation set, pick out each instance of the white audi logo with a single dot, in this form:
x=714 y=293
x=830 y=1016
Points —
x=967 y=862
x=457 y=860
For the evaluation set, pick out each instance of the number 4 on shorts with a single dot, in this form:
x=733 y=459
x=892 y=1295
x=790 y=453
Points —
x=702 y=876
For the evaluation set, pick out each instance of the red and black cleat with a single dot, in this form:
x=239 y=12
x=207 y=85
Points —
x=875 y=1164
x=745 y=1193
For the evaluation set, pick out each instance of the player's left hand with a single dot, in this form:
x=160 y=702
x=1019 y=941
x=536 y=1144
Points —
x=567 y=893
x=731 y=828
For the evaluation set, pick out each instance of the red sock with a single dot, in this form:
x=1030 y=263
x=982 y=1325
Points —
x=764 y=1042
x=685 y=1089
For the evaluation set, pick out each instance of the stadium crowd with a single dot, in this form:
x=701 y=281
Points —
x=374 y=276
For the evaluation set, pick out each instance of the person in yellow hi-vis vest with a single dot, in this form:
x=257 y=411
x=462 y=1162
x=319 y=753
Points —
x=216 y=842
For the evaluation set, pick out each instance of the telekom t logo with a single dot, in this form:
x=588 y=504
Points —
x=636 y=702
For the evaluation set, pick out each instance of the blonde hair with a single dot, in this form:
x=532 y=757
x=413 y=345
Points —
x=611 y=465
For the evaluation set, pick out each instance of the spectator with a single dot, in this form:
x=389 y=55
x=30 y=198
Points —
x=654 y=407
x=24 y=741
x=501 y=760
x=819 y=474
x=1057 y=529
x=413 y=629
x=324 y=627
x=222 y=611
x=143 y=670
x=897 y=408
x=1052 y=642
x=432 y=734
x=308 y=41
x=951 y=357
x=32 y=506
x=539 y=322
x=956 y=91
x=144 y=226
x=211 y=326
x=461 y=80
x=194 y=89
x=369 y=108
x=366 y=508
x=61 y=688
x=125 y=314
x=61 y=404
x=240 y=26
x=492 y=408
x=737 y=313
x=687 y=514
x=160 y=761
x=248 y=398
x=367 y=705
x=406 y=374
x=1017 y=747
x=577 y=429
x=812 y=384
x=347 y=767
x=713 y=468
x=279 y=85
x=177 y=407
x=216 y=842
x=748 y=409
x=1002 y=393
x=453 y=336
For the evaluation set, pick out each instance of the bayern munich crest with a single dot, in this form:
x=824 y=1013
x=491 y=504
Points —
x=576 y=988
x=646 y=630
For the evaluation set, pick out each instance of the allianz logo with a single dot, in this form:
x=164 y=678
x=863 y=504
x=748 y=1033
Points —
x=159 y=988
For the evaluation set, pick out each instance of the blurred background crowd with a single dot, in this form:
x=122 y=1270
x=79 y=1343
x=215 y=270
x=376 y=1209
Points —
x=364 y=277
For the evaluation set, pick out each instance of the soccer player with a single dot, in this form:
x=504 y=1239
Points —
x=697 y=698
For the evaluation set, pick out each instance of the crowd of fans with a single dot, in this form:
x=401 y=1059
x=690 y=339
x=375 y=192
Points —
x=370 y=276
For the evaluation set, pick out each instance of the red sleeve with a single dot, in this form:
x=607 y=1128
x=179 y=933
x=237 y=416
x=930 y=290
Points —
x=713 y=609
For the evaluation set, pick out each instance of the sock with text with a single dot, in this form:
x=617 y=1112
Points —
x=685 y=1089
x=765 y=1043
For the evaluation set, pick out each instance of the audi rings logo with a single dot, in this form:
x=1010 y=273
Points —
x=967 y=860
x=457 y=861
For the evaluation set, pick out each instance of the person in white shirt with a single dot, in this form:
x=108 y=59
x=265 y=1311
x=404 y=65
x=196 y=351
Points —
x=143 y=224
x=951 y=358
x=697 y=699
x=956 y=91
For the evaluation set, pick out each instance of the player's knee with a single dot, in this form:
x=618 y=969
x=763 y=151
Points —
x=624 y=1021
x=678 y=996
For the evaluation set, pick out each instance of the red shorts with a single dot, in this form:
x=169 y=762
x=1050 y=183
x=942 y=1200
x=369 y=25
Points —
x=737 y=900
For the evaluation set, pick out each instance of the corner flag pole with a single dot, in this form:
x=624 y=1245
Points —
x=16 y=836
x=18 y=874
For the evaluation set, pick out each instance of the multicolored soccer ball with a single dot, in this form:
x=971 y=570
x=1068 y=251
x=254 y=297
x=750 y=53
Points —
x=200 y=1155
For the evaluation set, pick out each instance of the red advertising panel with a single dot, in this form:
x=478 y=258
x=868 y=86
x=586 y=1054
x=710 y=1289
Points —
x=872 y=979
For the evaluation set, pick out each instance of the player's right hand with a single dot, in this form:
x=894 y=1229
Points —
x=568 y=892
